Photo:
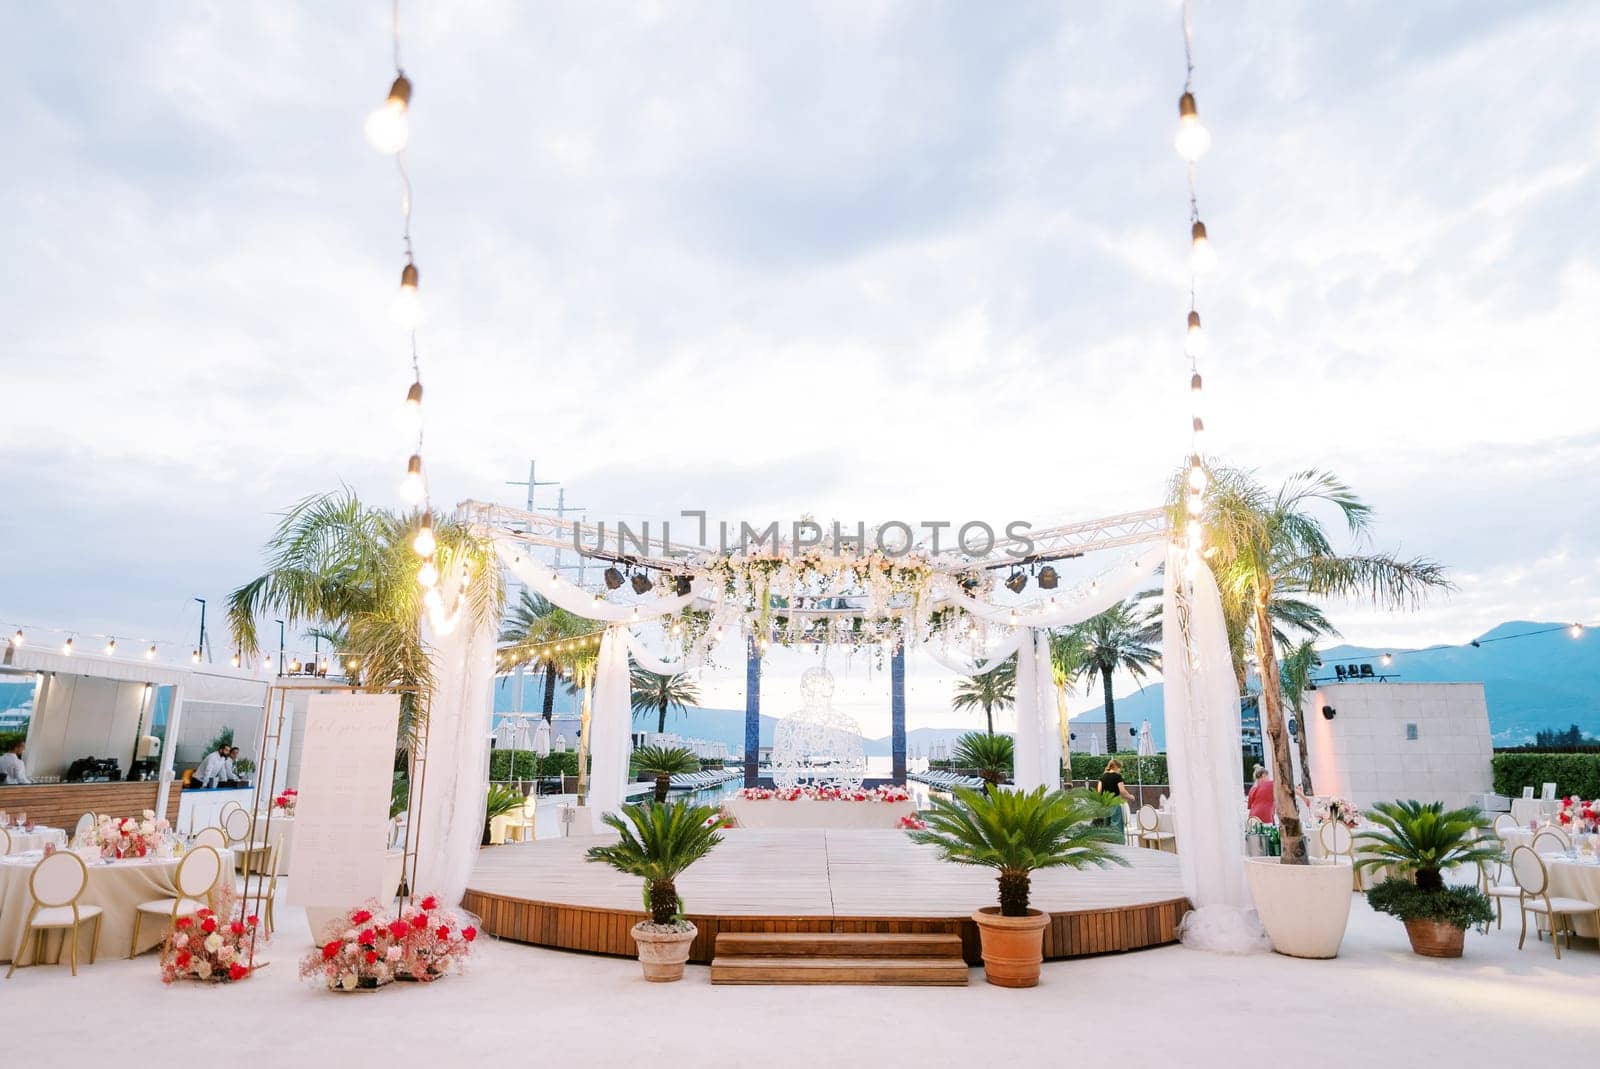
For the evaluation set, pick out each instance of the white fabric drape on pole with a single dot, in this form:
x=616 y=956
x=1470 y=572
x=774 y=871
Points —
x=1203 y=754
x=610 y=723
x=539 y=578
x=450 y=822
x=1071 y=607
x=1038 y=739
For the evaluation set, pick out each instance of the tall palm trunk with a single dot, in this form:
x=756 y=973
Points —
x=1111 y=709
x=1300 y=741
x=1290 y=832
x=549 y=690
x=661 y=717
x=988 y=714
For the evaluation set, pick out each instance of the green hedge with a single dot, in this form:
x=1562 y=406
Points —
x=1135 y=769
x=1572 y=773
x=528 y=764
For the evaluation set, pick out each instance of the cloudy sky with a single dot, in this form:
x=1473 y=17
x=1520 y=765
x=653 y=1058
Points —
x=861 y=260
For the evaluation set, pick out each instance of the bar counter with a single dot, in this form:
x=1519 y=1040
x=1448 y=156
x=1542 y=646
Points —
x=59 y=805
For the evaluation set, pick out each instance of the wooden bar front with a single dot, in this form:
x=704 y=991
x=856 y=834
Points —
x=59 y=805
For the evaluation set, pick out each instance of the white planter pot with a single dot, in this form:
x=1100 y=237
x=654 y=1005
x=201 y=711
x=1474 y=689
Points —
x=1304 y=908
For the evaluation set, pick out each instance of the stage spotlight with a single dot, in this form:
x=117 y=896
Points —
x=682 y=585
x=641 y=583
x=1018 y=580
x=1048 y=578
x=613 y=578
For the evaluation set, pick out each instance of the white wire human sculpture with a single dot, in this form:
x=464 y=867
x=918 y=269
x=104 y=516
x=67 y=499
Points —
x=818 y=746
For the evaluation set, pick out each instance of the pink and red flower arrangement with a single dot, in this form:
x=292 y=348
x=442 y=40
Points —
x=1578 y=815
x=371 y=947
x=826 y=794
x=911 y=822
x=285 y=802
x=119 y=837
x=211 y=945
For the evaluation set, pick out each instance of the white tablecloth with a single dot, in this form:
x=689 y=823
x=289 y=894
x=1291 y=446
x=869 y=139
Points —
x=23 y=842
x=1524 y=810
x=116 y=887
x=810 y=813
x=281 y=830
x=1576 y=879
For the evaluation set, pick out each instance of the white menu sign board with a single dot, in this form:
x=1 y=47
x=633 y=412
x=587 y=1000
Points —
x=341 y=819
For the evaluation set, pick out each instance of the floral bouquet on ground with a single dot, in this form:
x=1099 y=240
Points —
x=371 y=947
x=1338 y=810
x=911 y=822
x=212 y=945
x=119 y=837
x=827 y=794
x=284 y=803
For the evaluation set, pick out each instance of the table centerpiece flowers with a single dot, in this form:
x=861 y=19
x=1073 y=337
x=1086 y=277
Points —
x=1577 y=815
x=127 y=837
x=826 y=794
x=284 y=803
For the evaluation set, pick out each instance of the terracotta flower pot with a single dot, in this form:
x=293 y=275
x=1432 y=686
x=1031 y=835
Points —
x=662 y=954
x=1013 y=947
x=1435 y=939
x=1304 y=908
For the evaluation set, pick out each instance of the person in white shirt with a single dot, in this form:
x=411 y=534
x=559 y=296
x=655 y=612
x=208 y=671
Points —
x=11 y=765
x=214 y=769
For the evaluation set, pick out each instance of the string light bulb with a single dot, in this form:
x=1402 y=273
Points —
x=1193 y=138
x=388 y=128
x=428 y=575
x=1387 y=659
x=412 y=487
x=194 y=658
x=1202 y=257
x=407 y=307
x=16 y=639
x=1197 y=475
x=1576 y=630
x=150 y=654
x=66 y=647
x=1194 y=341
x=1199 y=432
x=234 y=660
x=411 y=409
x=294 y=665
x=111 y=647
x=425 y=543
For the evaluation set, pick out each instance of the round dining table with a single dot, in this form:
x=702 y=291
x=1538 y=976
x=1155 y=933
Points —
x=35 y=839
x=1576 y=878
x=117 y=887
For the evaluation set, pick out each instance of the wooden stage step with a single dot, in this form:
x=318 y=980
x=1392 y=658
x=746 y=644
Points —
x=838 y=958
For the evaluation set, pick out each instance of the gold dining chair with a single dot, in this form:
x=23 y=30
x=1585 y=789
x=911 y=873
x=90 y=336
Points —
x=1337 y=841
x=1503 y=823
x=55 y=885
x=197 y=874
x=5 y=842
x=239 y=826
x=1534 y=879
x=212 y=837
x=1551 y=840
x=1150 y=828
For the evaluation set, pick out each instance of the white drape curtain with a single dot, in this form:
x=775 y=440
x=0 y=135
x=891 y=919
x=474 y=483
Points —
x=539 y=578
x=449 y=824
x=1073 y=606
x=1038 y=739
x=611 y=716
x=1202 y=715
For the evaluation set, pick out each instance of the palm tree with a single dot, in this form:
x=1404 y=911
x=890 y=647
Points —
x=1118 y=638
x=535 y=621
x=657 y=842
x=1295 y=677
x=1291 y=617
x=348 y=568
x=1265 y=546
x=660 y=693
x=995 y=689
x=1016 y=832
x=992 y=756
x=664 y=762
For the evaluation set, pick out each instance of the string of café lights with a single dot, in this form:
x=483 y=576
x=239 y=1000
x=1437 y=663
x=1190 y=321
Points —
x=1191 y=142
x=73 y=643
x=388 y=130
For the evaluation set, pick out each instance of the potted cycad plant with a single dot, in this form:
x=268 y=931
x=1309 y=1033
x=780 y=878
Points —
x=657 y=842
x=1015 y=833
x=664 y=762
x=1416 y=843
x=990 y=756
x=499 y=801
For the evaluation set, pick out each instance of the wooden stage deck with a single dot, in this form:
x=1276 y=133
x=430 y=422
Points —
x=814 y=880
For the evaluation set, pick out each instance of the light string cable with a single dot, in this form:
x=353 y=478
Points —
x=1191 y=142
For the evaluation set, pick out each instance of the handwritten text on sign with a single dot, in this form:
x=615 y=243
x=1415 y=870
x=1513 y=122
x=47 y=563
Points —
x=341 y=819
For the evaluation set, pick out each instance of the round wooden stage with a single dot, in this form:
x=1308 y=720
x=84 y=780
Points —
x=817 y=880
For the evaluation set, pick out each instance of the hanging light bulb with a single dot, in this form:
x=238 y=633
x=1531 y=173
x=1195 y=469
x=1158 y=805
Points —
x=323 y=667
x=66 y=647
x=1199 y=434
x=1202 y=257
x=412 y=486
x=388 y=128
x=1194 y=342
x=1576 y=630
x=111 y=647
x=425 y=543
x=194 y=657
x=411 y=409
x=1197 y=475
x=1193 y=138
x=150 y=654
x=1195 y=504
x=234 y=660
x=1196 y=536
x=1387 y=659
x=294 y=665
x=407 y=307
x=16 y=639
x=266 y=662
x=428 y=575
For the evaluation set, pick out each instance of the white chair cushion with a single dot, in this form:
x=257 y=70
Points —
x=1504 y=890
x=186 y=906
x=1562 y=905
x=61 y=916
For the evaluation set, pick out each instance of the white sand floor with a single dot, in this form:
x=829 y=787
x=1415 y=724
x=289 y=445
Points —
x=1376 y=1004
